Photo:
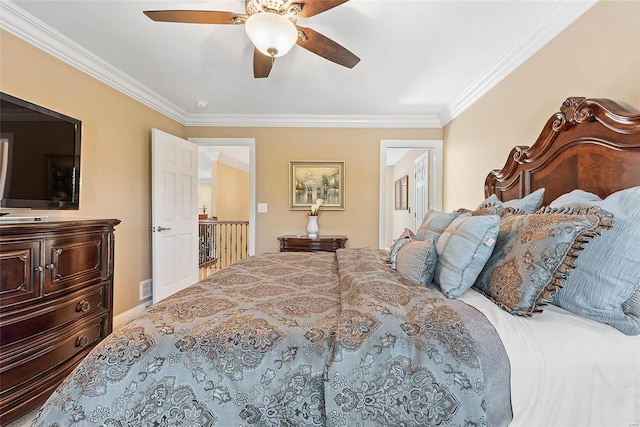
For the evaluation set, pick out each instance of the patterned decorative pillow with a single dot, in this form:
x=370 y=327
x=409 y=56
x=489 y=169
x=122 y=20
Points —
x=463 y=249
x=404 y=238
x=495 y=209
x=528 y=204
x=434 y=224
x=605 y=285
x=417 y=261
x=534 y=254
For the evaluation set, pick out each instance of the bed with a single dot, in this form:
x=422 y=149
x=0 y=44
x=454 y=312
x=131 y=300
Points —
x=441 y=329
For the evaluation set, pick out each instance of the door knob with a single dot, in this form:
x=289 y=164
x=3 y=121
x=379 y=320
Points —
x=164 y=228
x=83 y=306
x=82 y=341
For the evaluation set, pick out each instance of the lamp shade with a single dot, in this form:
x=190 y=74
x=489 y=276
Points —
x=272 y=34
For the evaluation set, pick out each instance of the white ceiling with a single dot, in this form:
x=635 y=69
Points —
x=422 y=61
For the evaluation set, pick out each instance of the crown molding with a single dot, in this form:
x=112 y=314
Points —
x=18 y=22
x=554 y=19
x=303 y=120
x=557 y=16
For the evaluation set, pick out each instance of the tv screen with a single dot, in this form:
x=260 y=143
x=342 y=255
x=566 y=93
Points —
x=39 y=156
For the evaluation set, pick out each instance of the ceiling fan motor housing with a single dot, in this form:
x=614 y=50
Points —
x=281 y=7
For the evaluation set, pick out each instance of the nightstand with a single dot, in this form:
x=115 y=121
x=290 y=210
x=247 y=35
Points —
x=303 y=243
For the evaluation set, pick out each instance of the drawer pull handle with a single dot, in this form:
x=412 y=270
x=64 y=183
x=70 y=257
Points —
x=83 y=306
x=82 y=341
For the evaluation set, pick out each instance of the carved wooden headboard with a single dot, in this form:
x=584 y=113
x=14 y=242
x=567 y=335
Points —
x=591 y=144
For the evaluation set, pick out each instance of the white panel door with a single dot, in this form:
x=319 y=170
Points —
x=421 y=174
x=174 y=199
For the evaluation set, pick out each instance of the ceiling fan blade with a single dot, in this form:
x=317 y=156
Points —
x=261 y=64
x=321 y=45
x=195 y=16
x=314 y=7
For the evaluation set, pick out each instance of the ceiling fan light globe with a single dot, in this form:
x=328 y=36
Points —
x=272 y=34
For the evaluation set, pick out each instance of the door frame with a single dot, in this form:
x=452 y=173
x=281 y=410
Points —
x=240 y=142
x=435 y=177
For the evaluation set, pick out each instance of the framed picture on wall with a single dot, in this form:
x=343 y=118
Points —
x=401 y=188
x=312 y=180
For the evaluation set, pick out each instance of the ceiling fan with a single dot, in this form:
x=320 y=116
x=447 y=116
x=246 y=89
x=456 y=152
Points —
x=271 y=26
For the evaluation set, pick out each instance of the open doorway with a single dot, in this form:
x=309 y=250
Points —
x=413 y=152
x=223 y=178
x=226 y=204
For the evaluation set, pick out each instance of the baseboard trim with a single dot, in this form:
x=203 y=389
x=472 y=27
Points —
x=123 y=318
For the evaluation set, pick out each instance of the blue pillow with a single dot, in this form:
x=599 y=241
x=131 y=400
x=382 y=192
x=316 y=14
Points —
x=575 y=199
x=416 y=261
x=605 y=285
x=434 y=223
x=404 y=238
x=528 y=204
x=463 y=249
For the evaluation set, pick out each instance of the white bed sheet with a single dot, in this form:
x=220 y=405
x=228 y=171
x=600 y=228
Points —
x=567 y=370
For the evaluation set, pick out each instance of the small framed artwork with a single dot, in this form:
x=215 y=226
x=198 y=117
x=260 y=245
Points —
x=311 y=180
x=402 y=193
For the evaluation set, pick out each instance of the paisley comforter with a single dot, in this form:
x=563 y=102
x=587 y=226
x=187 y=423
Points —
x=308 y=339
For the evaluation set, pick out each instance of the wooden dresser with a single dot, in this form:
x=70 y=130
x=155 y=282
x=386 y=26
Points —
x=297 y=243
x=56 y=293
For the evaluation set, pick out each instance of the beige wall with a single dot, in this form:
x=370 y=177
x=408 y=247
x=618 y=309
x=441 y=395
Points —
x=232 y=198
x=597 y=56
x=115 y=169
x=358 y=148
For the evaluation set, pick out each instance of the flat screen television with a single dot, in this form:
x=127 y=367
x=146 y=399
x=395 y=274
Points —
x=39 y=156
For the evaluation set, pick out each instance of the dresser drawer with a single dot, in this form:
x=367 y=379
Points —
x=35 y=321
x=17 y=367
x=19 y=279
x=296 y=243
x=74 y=261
